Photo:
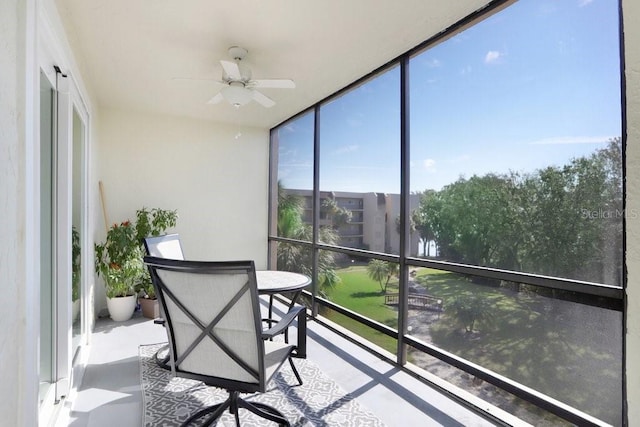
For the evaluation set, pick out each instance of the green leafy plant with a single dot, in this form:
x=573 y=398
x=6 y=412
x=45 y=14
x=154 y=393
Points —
x=119 y=258
x=152 y=222
x=382 y=272
x=75 y=264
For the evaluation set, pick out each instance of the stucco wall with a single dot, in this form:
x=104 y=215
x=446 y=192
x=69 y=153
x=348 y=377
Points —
x=216 y=176
x=631 y=15
x=18 y=368
x=11 y=187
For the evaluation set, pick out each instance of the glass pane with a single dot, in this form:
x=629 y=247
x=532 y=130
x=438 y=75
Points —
x=516 y=142
x=76 y=254
x=360 y=165
x=535 y=336
x=489 y=393
x=294 y=141
x=46 y=237
x=364 y=286
x=295 y=258
x=378 y=338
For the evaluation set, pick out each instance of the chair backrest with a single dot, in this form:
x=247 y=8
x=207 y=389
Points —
x=213 y=321
x=166 y=246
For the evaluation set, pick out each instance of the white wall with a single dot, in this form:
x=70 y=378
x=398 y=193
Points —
x=631 y=14
x=18 y=316
x=216 y=176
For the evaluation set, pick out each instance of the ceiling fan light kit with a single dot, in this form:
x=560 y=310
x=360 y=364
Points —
x=236 y=94
x=239 y=88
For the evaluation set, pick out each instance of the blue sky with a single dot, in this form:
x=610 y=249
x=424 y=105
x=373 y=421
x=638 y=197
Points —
x=533 y=85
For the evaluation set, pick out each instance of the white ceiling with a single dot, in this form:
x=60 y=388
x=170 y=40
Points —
x=130 y=51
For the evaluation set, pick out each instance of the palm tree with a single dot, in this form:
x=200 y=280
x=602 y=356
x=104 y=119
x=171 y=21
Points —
x=339 y=216
x=382 y=272
x=299 y=258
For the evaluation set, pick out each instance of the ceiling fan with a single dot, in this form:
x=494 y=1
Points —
x=240 y=88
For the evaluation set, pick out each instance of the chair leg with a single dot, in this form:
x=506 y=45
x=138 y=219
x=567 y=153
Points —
x=264 y=411
x=216 y=411
x=233 y=403
x=164 y=362
x=295 y=371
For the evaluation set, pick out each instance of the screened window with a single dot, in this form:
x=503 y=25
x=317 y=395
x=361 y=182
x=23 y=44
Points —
x=360 y=164
x=514 y=217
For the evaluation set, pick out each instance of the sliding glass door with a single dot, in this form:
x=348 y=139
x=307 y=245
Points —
x=63 y=224
x=78 y=230
x=47 y=242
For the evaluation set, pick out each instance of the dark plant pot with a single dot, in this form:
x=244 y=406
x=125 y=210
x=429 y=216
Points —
x=150 y=308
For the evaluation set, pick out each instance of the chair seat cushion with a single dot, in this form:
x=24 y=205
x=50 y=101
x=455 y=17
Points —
x=275 y=353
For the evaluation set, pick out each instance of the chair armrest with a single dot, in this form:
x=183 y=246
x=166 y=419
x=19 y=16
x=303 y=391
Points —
x=283 y=323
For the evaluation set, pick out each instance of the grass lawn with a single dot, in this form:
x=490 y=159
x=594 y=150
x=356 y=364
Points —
x=361 y=294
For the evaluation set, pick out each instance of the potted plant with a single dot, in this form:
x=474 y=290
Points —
x=152 y=222
x=119 y=261
x=75 y=273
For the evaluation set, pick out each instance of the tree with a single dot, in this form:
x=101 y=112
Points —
x=560 y=221
x=467 y=311
x=337 y=215
x=297 y=257
x=475 y=221
x=382 y=272
x=575 y=223
x=422 y=223
x=412 y=223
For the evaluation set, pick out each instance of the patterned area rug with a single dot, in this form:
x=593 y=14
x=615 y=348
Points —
x=319 y=401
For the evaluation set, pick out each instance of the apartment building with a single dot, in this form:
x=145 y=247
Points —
x=373 y=222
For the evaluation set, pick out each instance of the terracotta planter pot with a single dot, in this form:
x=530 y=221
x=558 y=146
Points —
x=150 y=308
x=121 y=308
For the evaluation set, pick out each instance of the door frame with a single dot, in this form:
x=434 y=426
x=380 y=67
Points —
x=54 y=60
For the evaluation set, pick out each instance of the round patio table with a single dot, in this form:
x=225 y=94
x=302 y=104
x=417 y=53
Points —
x=271 y=282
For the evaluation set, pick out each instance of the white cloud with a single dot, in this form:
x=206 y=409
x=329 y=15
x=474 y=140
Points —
x=572 y=140
x=429 y=165
x=492 y=57
x=583 y=3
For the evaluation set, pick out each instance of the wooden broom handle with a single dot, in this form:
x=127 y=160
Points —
x=104 y=208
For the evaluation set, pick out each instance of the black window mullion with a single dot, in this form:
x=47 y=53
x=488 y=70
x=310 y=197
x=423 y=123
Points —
x=405 y=211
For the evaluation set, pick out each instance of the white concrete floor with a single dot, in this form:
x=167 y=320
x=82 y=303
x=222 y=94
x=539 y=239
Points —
x=110 y=394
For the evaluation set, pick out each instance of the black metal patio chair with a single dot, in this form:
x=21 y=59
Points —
x=213 y=322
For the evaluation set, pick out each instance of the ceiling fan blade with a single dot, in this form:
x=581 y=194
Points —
x=263 y=100
x=232 y=69
x=273 y=83
x=196 y=79
x=216 y=99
